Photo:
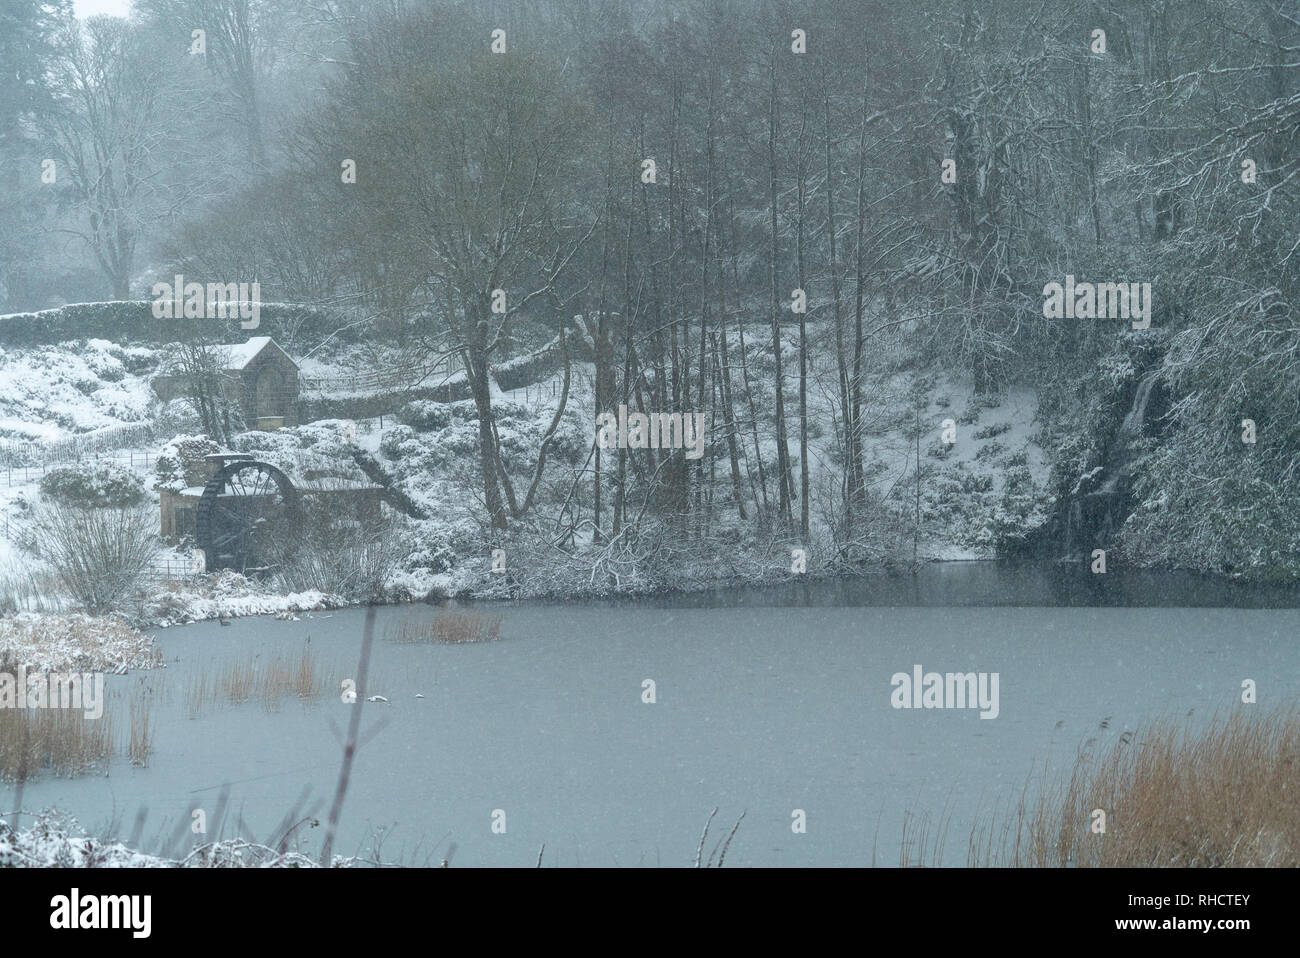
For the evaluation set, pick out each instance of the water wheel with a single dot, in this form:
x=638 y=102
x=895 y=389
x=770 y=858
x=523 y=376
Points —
x=246 y=517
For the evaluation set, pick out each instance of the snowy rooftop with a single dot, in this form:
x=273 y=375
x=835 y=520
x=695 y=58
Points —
x=241 y=354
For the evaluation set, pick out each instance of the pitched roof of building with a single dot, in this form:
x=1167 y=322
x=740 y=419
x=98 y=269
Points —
x=241 y=354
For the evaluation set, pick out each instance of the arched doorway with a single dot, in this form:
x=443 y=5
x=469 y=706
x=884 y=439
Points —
x=269 y=395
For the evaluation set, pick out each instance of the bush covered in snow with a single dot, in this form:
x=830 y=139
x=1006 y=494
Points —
x=425 y=414
x=572 y=440
x=180 y=464
x=318 y=451
x=95 y=485
x=58 y=841
x=430 y=549
x=73 y=643
x=397 y=441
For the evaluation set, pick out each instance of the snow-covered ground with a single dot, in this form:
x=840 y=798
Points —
x=989 y=481
x=50 y=392
x=74 y=643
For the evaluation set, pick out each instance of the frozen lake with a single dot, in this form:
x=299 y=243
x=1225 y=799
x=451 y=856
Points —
x=763 y=706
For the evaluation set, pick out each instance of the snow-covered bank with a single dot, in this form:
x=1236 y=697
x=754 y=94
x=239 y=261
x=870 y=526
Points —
x=56 y=841
x=74 y=643
x=227 y=594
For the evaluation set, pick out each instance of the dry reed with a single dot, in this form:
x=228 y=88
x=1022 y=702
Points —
x=61 y=741
x=140 y=746
x=1225 y=796
x=450 y=627
x=269 y=681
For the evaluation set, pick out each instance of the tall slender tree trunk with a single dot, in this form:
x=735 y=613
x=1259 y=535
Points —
x=599 y=331
x=620 y=474
x=704 y=297
x=782 y=445
x=803 y=343
x=841 y=356
x=857 y=489
x=728 y=410
x=477 y=371
x=744 y=372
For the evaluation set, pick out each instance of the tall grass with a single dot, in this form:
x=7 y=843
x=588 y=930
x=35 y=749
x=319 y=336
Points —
x=140 y=746
x=925 y=836
x=60 y=741
x=32 y=590
x=454 y=627
x=1222 y=797
x=267 y=680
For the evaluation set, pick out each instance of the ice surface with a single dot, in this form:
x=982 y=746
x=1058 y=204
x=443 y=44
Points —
x=759 y=709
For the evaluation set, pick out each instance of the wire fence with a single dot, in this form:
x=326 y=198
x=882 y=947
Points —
x=21 y=475
x=13 y=530
x=173 y=568
x=104 y=443
x=536 y=392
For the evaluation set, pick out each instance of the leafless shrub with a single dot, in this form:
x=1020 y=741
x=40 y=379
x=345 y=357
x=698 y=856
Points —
x=341 y=556
x=30 y=590
x=100 y=555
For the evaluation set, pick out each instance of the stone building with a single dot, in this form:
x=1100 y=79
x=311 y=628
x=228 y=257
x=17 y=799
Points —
x=268 y=383
x=261 y=378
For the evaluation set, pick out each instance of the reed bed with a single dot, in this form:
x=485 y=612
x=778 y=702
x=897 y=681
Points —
x=62 y=742
x=1225 y=796
x=268 y=680
x=447 y=627
x=140 y=746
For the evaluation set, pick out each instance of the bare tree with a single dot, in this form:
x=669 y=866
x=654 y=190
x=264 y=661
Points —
x=782 y=445
x=208 y=388
x=483 y=152
x=104 y=132
x=241 y=40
